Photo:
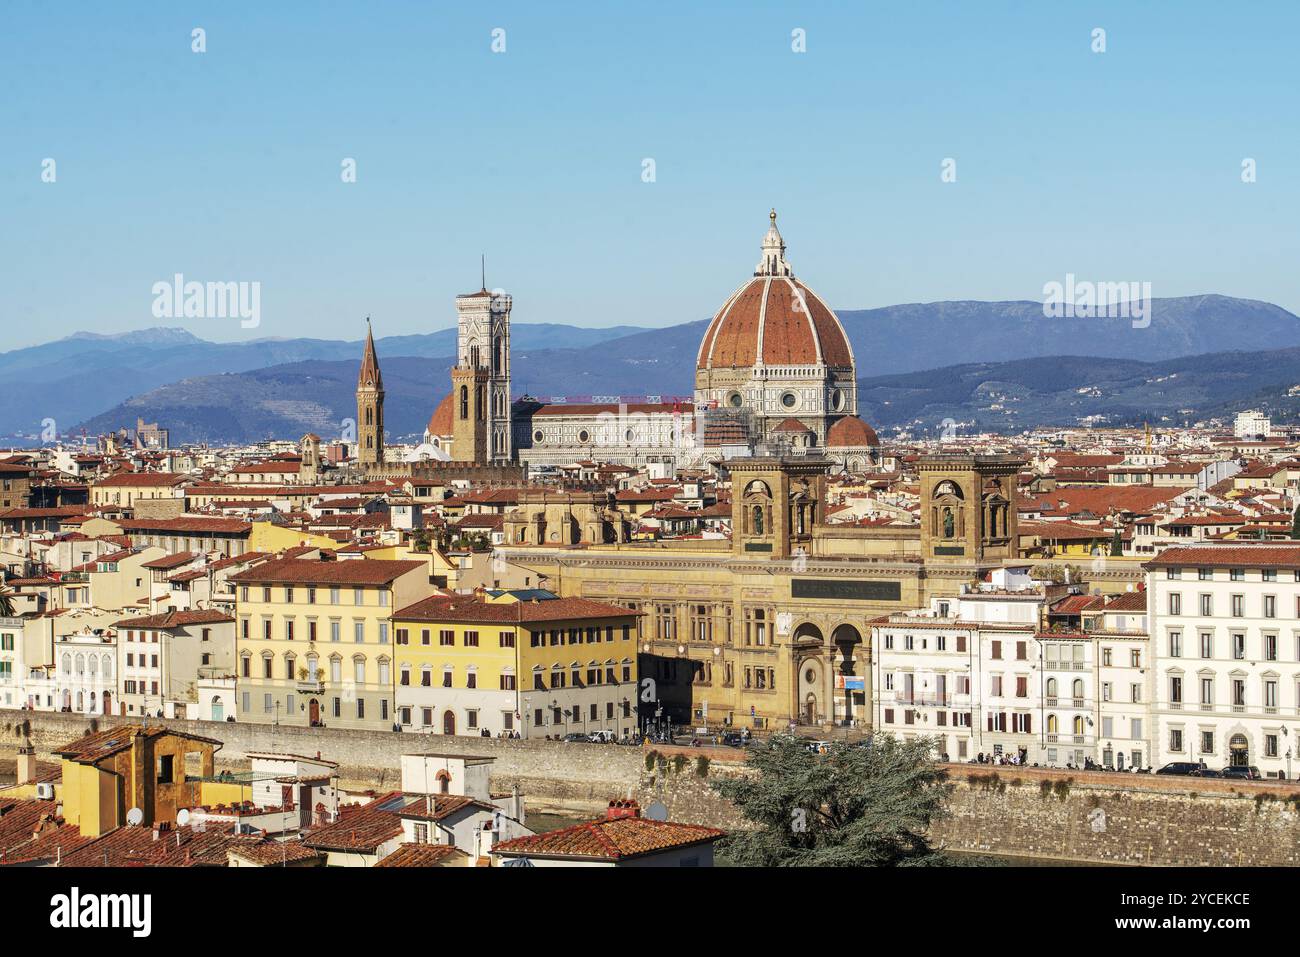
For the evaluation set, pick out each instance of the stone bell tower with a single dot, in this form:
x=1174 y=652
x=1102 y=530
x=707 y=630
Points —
x=775 y=503
x=480 y=381
x=370 y=406
x=968 y=508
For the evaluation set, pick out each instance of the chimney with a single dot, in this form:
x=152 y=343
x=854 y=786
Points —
x=26 y=765
x=619 y=809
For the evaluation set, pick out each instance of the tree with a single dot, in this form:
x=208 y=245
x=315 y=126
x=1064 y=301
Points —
x=1295 y=523
x=865 y=804
x=6 y=604
x=1117 y=544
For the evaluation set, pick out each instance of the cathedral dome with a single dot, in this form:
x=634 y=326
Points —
x=774 y=320
x=851 y=432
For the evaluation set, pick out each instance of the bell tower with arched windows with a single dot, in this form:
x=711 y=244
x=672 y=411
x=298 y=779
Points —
x=775 y=504
x=968 y=508
x=481 y=380
x=370 y=406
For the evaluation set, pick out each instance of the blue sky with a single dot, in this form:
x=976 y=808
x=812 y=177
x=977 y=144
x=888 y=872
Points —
x=225 y=165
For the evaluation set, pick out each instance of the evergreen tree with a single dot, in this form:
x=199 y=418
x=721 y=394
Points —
x=1295 y=523
x=860 y=805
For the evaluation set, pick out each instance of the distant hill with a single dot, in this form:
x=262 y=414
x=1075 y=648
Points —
x=1065 y=390
x=76 y=378
x=287 y=400
x=98 y=380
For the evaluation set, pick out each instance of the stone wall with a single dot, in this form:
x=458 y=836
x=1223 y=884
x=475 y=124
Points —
x=1110 y=818
x=550 y=774
x=1089 y=817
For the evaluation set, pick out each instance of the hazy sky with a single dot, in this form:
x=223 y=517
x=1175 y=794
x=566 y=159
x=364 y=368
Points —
x=225 y=165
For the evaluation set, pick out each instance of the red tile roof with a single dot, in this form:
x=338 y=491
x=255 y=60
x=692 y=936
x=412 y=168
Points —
x=176 y=619
x=362 y=828
x=97 y=745
x=368 y=571
x=467 y=608
x=615 y=840
x=423 y=855
x=141 y=480
x=1263 y=555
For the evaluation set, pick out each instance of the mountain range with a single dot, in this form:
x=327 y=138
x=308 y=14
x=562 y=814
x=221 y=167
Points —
x=993 y=364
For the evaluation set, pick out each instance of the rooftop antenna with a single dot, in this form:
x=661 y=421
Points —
x=482 y=265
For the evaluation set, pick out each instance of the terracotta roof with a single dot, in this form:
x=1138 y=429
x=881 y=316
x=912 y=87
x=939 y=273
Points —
x=423 y=855
x=790 y=425
x=442 y=806
x=272 y=853
x=615 y=840
x=1263 y=555
x=1074 y=604
x=368 y=571
x=596 y=408
x=185 y=524
x=176 y=619
x=97 y=745
x=790 y=321
x=30 y=831
x=171 y=561
x=141 y=479
x=851 y=432
x=361 y=828
x=466 y=608
x=1128 y=601
x=172 y=847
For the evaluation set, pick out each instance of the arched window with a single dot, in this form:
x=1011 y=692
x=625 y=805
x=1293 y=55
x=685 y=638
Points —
x=1051 y=724
x=108 y=668
x=1078 y=724
x=1077 y=687
x=67 y=664
x=1051 y=687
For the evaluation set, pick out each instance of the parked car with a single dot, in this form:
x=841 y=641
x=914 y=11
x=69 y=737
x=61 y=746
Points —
x=1207 y=773
x=1185 y=768
x=1243 y=773
x=573 y=737
x=734 y=739
x=601 y=737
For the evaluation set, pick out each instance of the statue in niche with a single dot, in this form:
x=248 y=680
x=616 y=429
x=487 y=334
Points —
x=948 y=523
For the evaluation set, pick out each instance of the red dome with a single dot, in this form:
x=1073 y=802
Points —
x=851 y=432
x=778 y=319
x=440 y=422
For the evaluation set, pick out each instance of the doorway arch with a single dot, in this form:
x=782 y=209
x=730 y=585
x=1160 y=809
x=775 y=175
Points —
x=449 y=722
x=1238 y=751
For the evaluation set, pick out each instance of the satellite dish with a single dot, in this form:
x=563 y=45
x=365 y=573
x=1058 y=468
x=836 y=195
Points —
x=135 y=817
x=182 y=817
x=657 y=811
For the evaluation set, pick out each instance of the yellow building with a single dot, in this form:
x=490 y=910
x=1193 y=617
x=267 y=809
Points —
x=108 y=773
x=314 y=642
x=516 y=662
x=127 y=488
